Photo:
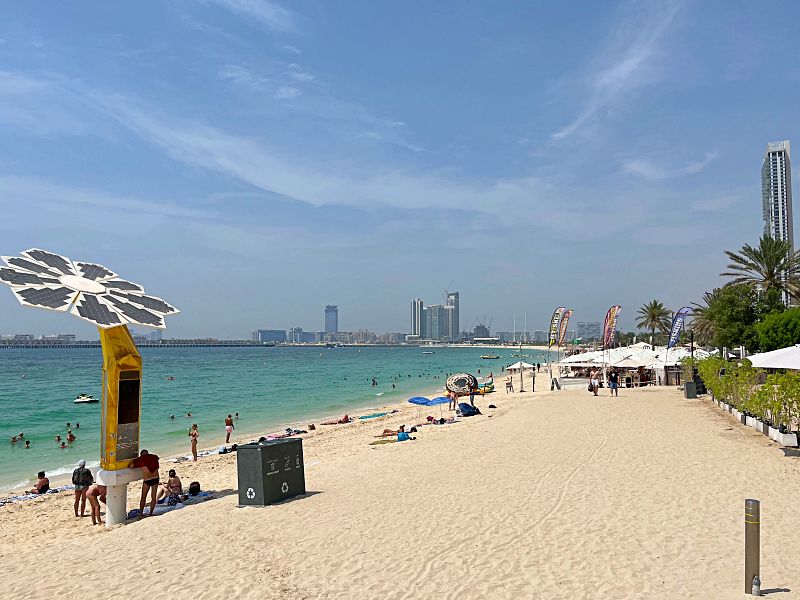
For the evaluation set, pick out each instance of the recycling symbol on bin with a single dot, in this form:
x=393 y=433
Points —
x=285 y=487
x=251 y=493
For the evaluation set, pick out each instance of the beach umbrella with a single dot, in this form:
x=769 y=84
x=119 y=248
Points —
x=420 y=400
x=461 y=383
x=439 y=400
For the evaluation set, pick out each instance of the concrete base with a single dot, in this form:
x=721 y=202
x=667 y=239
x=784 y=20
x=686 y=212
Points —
x=117 y=492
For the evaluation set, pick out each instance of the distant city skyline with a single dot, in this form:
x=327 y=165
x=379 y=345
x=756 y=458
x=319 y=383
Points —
x=258 y=169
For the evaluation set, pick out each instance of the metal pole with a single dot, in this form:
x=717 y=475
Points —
x=752 y=542
x=521 y=381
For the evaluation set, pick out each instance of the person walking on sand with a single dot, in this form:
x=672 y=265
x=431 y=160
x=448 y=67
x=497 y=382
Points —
x=451 y=400
x=194 y=433
x=81 y=478
x=594 y=378
x=148 y=463
x=613 y=382
x=228 y=428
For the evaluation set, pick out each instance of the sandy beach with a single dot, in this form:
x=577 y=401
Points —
x=551 y=495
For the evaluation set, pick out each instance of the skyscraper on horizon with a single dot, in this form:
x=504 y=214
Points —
x=453 y=332
x=332 y=319
x=417 y=317
x=776 y=192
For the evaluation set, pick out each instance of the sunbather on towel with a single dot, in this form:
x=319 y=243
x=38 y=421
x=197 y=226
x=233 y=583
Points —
x=391 y=432
x=344 y=419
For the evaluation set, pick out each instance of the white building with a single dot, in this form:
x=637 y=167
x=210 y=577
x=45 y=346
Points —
x=776 y=192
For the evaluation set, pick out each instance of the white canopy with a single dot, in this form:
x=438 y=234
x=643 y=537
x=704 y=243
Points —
x=631 y=357
x=785 y=358
x=517 y=365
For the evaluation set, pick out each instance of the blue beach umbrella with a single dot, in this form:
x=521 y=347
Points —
x=420 y=400
x=439 y=400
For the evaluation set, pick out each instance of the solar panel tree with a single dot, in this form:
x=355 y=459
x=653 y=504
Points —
x=94 y=293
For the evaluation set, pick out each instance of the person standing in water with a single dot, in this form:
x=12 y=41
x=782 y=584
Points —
x=228 y=428
x=194 y=433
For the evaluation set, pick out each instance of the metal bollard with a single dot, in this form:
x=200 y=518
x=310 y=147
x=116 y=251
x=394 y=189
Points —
x=752 y=543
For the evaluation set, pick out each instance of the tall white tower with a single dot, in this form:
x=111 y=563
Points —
x=776 y=192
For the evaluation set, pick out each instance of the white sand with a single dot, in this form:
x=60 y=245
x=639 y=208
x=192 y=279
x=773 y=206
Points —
x=561 y=495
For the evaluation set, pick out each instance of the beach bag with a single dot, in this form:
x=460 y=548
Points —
x=467 y=410
x=173 y=499
x=402 y=436
x=591 y=387
x=194 y=488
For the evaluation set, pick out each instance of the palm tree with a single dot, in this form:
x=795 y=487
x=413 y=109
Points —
x=653 y=315
x=702 y=325
x=771 y=266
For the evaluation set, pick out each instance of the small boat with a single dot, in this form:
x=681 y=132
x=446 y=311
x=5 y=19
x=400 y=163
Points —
x=428 y=352
x=489 y=356
x=85 y=399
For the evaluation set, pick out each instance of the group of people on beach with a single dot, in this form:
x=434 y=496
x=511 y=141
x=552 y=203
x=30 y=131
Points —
x=613 y=381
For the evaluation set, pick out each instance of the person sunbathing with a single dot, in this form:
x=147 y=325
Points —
x=172 y=488
x=42 y=485
x=344 y=419
x=392 y=432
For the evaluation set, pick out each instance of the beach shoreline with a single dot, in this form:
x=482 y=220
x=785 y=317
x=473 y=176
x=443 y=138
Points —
x=245 y=436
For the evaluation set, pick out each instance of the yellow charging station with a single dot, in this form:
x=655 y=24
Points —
x=122 y=398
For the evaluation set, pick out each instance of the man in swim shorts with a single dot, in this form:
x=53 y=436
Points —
x=228 y=428
x=81 y=478
x=148 y=463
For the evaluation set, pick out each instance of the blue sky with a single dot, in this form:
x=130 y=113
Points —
x=251 y=161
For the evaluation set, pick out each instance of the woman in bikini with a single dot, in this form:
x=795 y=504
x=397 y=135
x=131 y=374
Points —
x=172 y=487
x=194 y=434
x=96 y=494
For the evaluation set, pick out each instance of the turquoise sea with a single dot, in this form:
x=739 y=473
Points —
x=268 y=387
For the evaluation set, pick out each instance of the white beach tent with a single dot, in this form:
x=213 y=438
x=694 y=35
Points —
x=785 y=358
x=517 y=365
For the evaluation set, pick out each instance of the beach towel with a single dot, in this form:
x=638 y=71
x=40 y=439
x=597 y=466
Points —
x=380 y=442
x=373 y=415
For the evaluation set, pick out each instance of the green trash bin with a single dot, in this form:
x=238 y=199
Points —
x=270 y=471
x=690 y=389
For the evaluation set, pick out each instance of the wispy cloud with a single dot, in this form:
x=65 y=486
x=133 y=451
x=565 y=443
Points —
x=625 y=63
x=653 y=171
x=239 y=75
x=289 y=49
x=269 y=14
x=286 y=91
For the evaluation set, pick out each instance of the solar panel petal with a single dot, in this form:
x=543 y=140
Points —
x=149 y=302
x=29 y=265
x=60 y=263
x=17 y=277
x=121 y=284
x=90 y=308
x=94 y=271
x=53 y=298
x=136 y=315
